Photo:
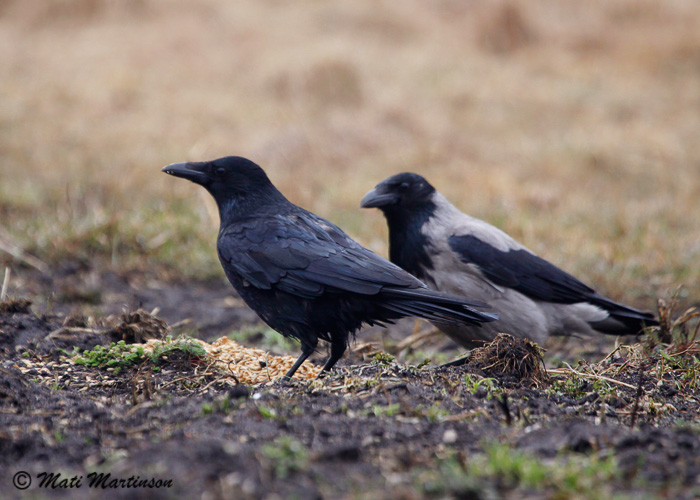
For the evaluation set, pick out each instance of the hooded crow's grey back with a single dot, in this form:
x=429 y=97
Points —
x=303 y=275
x=455 y=253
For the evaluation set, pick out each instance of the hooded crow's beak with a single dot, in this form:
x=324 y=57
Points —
x=377 y=199
x=193 y=171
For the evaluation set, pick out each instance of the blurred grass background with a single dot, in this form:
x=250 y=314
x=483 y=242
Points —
x=575 y=127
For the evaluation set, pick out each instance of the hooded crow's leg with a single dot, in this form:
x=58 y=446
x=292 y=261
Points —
x=307 y=349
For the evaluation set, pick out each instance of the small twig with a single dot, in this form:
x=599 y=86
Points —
x=215 y=380
x=559 y=371
x=233 y=374
x=610 y=354
x=204 y=373
x=622 y=367
x=415 y=338
x=635 y=408
x=5 y=284
x=503 y=403
x=339 y=387
x=695 y=332
x=457 y=417
x=20 y=255
x=360 y=347
x=184 y=322
x=267 y=366
x=692 y=347
x=134 y=396
x=72 y=329
x=147 y=388
x=178 y=380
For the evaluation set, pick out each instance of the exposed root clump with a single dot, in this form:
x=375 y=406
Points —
x=510 y=356
x=138 y=326
x=11 y=306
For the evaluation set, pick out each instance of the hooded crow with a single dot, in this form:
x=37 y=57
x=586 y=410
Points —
x=300 y=273
x=458 y=254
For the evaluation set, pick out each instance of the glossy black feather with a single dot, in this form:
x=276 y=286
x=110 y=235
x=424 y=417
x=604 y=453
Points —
x=521 y=270
x=303 y=275
x=539 y=279
x=429 y=237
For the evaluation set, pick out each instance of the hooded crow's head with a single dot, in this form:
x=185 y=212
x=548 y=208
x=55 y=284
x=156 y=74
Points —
x=408 y=202
x=399 y=193
x=237 y=184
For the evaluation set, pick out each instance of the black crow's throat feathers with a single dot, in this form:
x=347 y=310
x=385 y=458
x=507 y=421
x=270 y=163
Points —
x=300 y=273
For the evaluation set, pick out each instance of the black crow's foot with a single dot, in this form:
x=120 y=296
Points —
x=283 y=381
x=457 y=362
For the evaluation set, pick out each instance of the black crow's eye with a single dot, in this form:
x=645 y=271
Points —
x=220 y=171
x=403 y=187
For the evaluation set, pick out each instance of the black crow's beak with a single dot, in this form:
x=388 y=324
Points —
x=193 y=171
x=377 y=199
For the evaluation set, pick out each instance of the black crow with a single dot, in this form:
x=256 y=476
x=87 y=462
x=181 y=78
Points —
x=303 y=275
x=458 y=254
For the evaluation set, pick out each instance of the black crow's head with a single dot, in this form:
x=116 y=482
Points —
x=399 y=192
x=225 y=178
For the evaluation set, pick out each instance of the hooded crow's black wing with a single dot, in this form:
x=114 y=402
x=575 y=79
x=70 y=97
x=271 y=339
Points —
x=521 y=270
x=305 y=255
x=533 y=276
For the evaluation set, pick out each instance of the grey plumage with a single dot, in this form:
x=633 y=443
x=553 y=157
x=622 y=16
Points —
x=304 y=276
x=459 y=254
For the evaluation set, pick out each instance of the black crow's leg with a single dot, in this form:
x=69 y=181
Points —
x=337 y=351
x=306 y=350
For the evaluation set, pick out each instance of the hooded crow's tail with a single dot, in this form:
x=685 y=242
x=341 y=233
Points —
x=623 y=320
x=435 y=306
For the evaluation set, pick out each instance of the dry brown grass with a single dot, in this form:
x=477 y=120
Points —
x=572 y=126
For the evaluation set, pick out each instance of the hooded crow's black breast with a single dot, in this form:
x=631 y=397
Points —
x=303 y=275
x=408 y=246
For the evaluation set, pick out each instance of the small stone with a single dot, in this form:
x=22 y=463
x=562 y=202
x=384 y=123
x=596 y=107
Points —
x=450 y=436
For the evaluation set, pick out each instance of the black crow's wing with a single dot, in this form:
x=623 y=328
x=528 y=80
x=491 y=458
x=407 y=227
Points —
x=521 y=270
x=305 y=255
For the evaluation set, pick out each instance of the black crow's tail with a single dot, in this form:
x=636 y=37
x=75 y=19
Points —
x=435 y=306
x=623 y=320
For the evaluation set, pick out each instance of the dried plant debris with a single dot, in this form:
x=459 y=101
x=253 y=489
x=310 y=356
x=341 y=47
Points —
x=193 y=360
x=139 y=326
x=635 y=384
x=679 y=331
x=636 y=406
x=250 y=366
x=510 y=356
x=181 y=363
x=669 y=366
x=11 y=306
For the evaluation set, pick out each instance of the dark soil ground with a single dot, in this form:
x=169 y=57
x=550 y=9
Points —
x=375 y=428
